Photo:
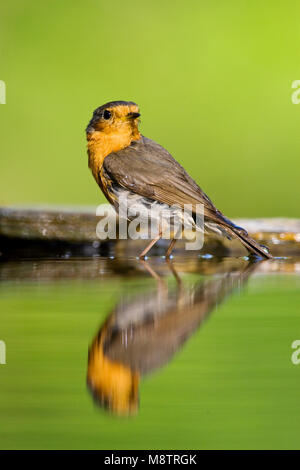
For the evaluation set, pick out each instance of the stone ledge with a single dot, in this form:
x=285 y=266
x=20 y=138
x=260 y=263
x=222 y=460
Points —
x=77 y=225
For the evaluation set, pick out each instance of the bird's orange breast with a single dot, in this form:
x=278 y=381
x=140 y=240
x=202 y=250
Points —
x=101 y=144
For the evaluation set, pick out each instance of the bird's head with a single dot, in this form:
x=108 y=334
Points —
x=112 y=128
x=113 y=384
x=118 y=118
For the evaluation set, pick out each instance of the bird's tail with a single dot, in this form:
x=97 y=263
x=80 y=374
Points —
x=253 y=246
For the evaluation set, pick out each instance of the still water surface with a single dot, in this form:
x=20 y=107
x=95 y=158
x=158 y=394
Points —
x=126 y=354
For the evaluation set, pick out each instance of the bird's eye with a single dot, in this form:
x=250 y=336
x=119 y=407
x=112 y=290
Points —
x=107 y=114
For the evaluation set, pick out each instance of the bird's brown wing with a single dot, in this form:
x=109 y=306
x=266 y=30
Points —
x=147 y=169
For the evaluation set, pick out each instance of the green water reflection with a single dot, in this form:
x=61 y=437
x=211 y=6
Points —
x=198 y=361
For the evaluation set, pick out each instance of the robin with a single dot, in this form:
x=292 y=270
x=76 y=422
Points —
x=124 y=162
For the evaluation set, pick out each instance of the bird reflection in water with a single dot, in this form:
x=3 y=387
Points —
x=144 y=332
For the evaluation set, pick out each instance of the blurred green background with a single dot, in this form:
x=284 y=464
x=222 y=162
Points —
x=213 y=80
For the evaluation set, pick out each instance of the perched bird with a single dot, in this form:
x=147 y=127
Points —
x=125 y=162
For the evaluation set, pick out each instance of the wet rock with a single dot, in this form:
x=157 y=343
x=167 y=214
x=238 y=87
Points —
x=56 y=231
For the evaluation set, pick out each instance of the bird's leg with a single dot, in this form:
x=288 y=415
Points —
x=148 y=247
x=170 y=248
x=174 y=272
x=151 y=271
x=162 y=288
x=180 y=286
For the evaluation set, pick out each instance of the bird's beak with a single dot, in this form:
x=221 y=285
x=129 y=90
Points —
x=133 y=115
